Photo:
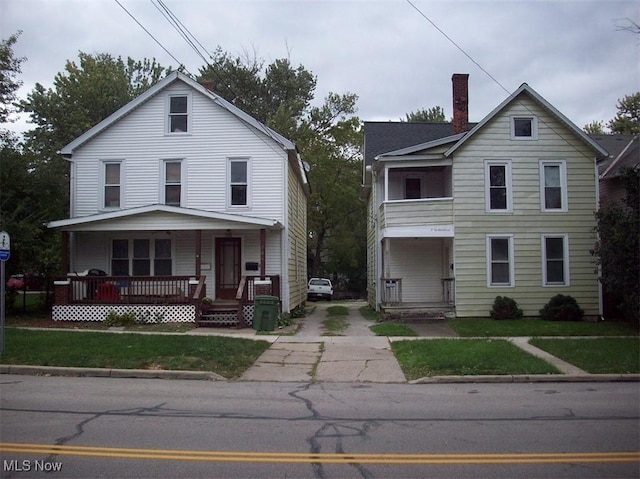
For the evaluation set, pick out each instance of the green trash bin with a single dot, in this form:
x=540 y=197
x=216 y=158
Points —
x=265 y=313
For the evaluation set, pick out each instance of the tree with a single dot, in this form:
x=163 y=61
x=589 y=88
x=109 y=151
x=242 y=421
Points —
x=10 y=68
x=329 y=138
x=627 y=120
x=83 y=95
x=618 y=246
x=594 y=128
x=433 y=115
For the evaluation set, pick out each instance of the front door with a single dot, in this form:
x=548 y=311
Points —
x=227 y=267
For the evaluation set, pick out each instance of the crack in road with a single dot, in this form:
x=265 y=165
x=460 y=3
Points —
x=336 y=430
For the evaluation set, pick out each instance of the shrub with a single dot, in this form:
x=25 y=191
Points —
x=505 y=308
x=561 y=308
x=124 y=319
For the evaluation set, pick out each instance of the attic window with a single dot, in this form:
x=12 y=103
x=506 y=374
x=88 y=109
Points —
x=524 y=128
x=178 y=114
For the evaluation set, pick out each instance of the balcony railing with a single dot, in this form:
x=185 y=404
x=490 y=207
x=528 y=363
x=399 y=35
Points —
x=428 y=211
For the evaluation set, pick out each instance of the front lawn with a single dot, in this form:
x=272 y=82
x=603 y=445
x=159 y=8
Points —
x=393 y=329
x=229 y=357
x=442 y=357
x=596 y=355
x=537 y=327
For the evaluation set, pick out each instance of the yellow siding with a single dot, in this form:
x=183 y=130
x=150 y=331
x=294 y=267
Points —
x=297 y=260
x=371 y=247
x=526 y=222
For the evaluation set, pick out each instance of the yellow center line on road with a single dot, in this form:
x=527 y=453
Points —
x=293 y=457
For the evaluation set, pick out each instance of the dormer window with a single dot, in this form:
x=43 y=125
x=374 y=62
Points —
x=524 y=128
x=178 y=114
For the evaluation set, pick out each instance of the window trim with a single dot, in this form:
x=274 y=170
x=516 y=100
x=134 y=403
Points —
x=565 y=259
x=509 y=237
x=163 y=181
x=103 y=185
x=168 y=114
x=534 y=127
x=487 y=185
x=564 y=197
x=230 y=205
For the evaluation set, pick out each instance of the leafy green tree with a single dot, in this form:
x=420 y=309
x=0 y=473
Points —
x=10 y=68
x=329 y=138
x=433 y=115
x=627 y=120
x=594 y=128
x=618 y=246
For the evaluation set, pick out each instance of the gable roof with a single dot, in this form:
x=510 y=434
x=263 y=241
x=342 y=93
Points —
x=527 y=90
x=387 y=136
x=614 y=144
x=628 y=157
x=176 y=76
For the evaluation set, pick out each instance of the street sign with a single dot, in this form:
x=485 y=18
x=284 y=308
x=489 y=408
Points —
x=5 y=246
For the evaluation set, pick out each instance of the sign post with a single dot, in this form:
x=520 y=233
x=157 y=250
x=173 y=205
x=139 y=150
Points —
x=5 y=250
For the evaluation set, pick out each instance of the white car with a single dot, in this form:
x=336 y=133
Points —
x=320 y=288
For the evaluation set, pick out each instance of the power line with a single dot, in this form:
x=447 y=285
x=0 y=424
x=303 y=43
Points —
x=154 y=38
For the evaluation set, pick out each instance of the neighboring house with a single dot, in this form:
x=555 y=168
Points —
x=182 y=191
x=624 y=152
x=459 y=214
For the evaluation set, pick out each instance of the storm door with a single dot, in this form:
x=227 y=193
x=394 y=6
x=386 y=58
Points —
x=228 y=268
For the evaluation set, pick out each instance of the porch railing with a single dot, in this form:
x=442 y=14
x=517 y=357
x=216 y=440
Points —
x=391 y=291
x=129 y=289
x=449 y=290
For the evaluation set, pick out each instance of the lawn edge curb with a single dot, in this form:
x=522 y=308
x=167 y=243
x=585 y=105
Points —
x=528 y=378
x=109 y=373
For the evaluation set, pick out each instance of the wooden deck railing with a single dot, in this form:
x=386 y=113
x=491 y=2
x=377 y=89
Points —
x=248 y=290
x=129 y=289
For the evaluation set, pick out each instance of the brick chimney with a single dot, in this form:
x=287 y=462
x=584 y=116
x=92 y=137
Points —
x=208 y=84
x=460 y=102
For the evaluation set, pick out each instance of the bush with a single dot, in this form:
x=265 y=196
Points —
x=505 y=308
x=561 y=308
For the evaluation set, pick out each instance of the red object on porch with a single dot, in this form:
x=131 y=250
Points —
x=107 y=292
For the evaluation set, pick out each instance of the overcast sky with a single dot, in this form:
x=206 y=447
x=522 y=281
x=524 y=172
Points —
x=385 y=51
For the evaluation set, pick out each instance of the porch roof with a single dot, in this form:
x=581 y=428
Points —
x=163 y=217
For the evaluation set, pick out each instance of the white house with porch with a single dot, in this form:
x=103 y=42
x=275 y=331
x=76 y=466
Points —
x=176 y=196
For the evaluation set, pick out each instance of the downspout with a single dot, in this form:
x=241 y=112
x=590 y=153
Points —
x=285 y=247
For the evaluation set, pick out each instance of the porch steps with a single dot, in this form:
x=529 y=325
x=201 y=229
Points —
x=220 y=313
x=418 y=314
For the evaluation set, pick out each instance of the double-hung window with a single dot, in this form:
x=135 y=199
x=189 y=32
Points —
x=555 y=260
x=178 y=121
x=172 y=174
x=112 y=184
x=553 y=185
x=239 y=182
x=500 y=258
x=498 y=197
x=141 y=257
x=524 y=128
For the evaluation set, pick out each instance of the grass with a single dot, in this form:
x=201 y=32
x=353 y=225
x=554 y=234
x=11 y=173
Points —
x=370 y=314
x=441 y=357
x=229 y=357
x=393 y=329
x=538 y=327
x=334 y=326
x=337 y=311
x=596 y=355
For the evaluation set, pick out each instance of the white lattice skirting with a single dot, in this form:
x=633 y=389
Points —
x=148 y=313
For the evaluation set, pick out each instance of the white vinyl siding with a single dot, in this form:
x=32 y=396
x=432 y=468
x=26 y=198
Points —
x=215 y=136
x=527 y=222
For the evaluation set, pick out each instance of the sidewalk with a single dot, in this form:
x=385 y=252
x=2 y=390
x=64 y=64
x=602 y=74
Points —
x=357 y=355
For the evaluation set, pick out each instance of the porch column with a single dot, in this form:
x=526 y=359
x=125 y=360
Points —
x=65 y=253
x=263 y=253
x=198 y=253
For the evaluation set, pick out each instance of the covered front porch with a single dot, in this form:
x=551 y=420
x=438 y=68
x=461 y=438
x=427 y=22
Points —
x=168 y=264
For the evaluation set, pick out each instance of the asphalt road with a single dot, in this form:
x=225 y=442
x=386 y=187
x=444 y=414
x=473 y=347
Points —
x=107 y=428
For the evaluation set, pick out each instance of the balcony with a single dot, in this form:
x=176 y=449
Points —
x=421 y=212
